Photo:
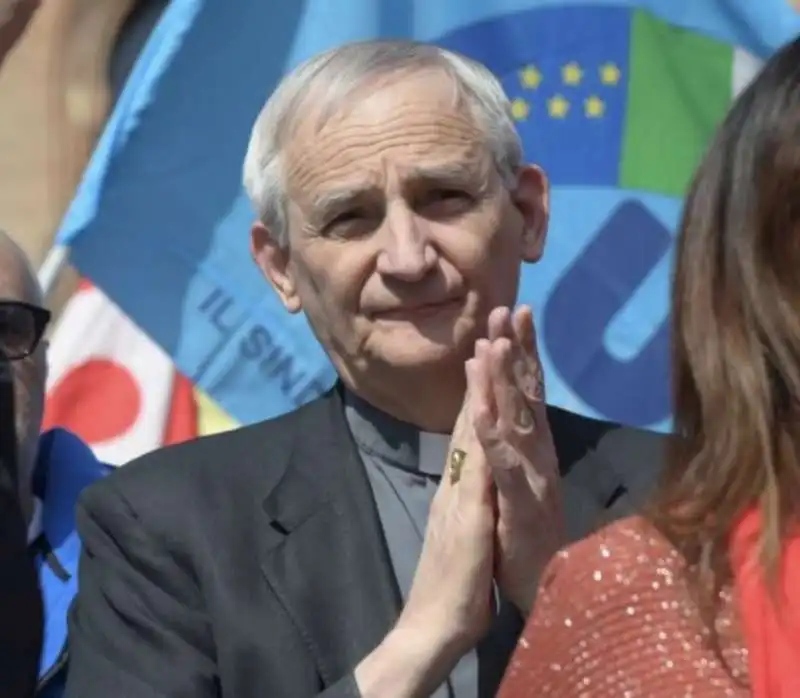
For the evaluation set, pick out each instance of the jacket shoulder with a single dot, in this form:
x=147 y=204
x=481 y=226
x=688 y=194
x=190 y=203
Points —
x=575 y=436
x=226 y=465
x=622 y=448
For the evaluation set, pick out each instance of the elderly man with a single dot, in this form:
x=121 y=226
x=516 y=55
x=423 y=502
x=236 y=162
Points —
x=52 y=468
x=323 y=553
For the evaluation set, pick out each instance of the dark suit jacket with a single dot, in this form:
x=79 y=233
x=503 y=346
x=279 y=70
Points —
x=21 y=614
x=252 y=564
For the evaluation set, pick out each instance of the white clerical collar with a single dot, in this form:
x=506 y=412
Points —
x=397 y=443
x=433 y=451
x=35 y=527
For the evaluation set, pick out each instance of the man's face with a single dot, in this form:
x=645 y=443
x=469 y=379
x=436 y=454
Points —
x=402 y=235
x=29 y=373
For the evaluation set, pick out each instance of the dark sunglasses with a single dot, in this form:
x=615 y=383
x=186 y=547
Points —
x=22 y=326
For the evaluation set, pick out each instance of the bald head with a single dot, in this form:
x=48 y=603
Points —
x=18 y=282
x=17 y=278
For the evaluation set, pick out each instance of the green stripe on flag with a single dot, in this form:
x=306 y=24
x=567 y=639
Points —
x=679 y=88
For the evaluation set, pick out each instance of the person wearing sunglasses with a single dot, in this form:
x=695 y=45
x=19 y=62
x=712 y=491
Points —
x=21 y=620
x=51 y=470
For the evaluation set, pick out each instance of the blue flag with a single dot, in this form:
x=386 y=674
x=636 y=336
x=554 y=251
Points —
x=602 y=101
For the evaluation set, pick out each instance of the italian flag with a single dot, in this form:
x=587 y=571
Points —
x=680 y=86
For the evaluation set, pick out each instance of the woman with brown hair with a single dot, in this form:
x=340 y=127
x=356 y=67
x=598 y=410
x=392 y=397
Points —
x=701 y=596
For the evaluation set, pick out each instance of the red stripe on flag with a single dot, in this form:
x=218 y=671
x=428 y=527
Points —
x=182 y=420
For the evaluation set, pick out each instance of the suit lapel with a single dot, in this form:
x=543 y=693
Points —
x=608 y=471
x=324 y=556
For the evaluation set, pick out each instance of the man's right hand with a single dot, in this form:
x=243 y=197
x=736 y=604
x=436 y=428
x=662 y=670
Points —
x=452 y=590
x=449 y=606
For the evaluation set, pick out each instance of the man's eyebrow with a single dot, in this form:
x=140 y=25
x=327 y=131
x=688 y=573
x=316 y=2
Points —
x=336 y=199
x=446 y=172
x=457 y=173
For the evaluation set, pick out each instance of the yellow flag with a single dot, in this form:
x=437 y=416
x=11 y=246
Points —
x=211 y=419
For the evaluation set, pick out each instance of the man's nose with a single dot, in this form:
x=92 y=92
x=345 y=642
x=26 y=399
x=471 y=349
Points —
x=407 y=253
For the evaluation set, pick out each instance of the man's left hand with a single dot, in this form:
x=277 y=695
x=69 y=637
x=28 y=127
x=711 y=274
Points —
x=519 y=447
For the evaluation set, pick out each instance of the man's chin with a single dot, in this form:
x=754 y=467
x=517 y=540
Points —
x=419 y=351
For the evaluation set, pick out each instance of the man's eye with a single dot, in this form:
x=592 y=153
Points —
x=344 y=218
x=445 y=202
x=448 y=195
x=348 y=223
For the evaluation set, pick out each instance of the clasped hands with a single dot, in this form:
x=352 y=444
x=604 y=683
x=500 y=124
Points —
x=498 y=516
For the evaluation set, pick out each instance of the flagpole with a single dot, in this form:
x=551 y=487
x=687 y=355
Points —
x=52 y=268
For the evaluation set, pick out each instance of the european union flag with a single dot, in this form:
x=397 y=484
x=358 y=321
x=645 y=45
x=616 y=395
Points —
x=567 y=79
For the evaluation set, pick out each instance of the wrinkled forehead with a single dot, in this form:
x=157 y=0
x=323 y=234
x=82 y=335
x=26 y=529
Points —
x=406 y=122
x=334 y=100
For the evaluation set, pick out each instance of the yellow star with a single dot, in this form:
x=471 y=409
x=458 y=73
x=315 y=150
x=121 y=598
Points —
x=609 y=74
x=520 y=109
x=572 y=74
x=594 y=107
x=530 y=77
x=558 y=107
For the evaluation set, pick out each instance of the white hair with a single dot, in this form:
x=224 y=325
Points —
x=331 y=77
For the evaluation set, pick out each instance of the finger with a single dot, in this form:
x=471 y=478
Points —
x=528 y=371
x=524 y=333
x=513 y=415
x=483 y=396
x=464 y=440
x=475 y=480
x=483 y=412
x=499 y=323
x=500 y=438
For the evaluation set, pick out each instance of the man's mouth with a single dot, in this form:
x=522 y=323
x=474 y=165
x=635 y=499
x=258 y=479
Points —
x=420 y=311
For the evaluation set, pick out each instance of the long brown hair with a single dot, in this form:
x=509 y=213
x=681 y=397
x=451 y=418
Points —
x=736 y=337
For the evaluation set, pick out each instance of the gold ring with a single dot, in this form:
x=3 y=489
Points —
x=457 y=458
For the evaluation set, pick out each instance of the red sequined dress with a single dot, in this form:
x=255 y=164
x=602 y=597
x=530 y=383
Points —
x=614 y=619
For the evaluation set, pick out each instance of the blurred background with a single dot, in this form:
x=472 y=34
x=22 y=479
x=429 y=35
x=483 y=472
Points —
x=122 y=131
x=58 y=89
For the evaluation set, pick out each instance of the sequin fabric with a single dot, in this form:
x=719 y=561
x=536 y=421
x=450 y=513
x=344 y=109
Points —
x=614 y=619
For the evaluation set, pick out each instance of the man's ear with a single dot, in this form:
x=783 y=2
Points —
x=532 y=199
x=273 y=260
